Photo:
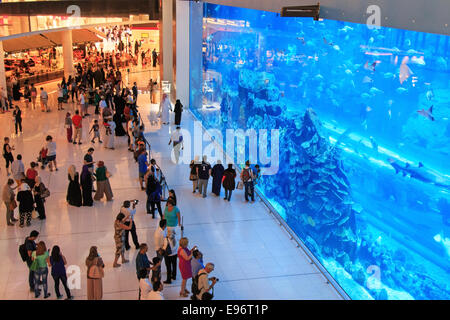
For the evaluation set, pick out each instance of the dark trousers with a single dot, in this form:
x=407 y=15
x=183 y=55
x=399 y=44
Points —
x=151 y=207
x=75 y=93
x=171 y=266
x=228 y=194
x=249 y=190
x=133 y=236
x=63 y=280
x=31 y=279
x=18 y=124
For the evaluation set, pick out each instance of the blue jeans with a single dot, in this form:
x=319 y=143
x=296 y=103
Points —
x=249 y=190
x=31 y=280
x=40 y=276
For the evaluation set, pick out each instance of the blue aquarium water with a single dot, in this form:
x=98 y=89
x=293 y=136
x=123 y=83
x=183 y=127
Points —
x=364 y=139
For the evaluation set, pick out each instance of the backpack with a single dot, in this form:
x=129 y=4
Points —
x=245 y=175
x=23 y=251
x=194 y=288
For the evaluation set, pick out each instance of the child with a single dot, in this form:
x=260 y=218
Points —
x=68 y=126
x=96 y=129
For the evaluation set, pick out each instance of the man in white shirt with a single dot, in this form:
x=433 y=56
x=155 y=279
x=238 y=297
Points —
x=127 y=211
x=18 y=169
x=203 y=281
x=158 y=237
x=44 y=100
x=145 y=286
x=102 y=104
x=177 y=139
x=156 y=294
x=51 y=153
x=82 y=101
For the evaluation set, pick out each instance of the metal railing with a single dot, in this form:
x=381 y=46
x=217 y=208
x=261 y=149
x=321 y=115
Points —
x=293 y=236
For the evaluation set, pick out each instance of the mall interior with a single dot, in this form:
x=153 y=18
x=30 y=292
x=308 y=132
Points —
x=325 y=128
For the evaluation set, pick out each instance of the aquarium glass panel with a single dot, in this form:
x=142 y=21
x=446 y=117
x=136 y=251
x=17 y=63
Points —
x=364 y=139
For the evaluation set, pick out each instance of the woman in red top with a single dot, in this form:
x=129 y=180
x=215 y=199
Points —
x=185 y=256
x=31 y=174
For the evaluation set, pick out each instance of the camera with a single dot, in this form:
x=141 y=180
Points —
x=134 y=201
x=214 y=278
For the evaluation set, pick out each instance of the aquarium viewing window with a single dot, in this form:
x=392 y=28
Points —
x=364 y=139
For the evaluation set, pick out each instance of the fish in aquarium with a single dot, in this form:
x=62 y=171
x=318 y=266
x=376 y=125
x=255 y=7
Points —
x=353 y=116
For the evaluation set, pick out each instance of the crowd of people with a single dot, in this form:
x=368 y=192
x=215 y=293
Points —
x=118 y=116
x=201 y=172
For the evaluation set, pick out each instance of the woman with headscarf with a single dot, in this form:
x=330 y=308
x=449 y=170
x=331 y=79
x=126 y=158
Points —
x=74 y=190
x=119 y=233
x=39 y=197
x=103 y=187
x=117 y=118
x=26 y=203
x=164 y=108
x=86 y=185
x=95 y=274
x=178 y=110
x=229 y=182
x=217 y=174
x=193 y=174
x=110 y=133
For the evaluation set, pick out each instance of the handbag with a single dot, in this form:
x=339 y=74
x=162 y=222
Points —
x=34 y=214
x=240 y=185
x=45 y=193
x=193 y=177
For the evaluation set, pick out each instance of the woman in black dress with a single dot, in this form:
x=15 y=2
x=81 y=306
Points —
x=178 y=110
x=86 y=185
x=18 y=118
x=229 y=181
x=217 y=174
x=74 y=190
x=119 y=131
x=38 y=191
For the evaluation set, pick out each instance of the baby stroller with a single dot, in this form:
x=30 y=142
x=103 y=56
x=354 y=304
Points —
x=43 y=158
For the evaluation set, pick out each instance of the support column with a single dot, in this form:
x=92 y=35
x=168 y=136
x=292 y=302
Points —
x=195 y=55
x=167 y=38
x=67 y=44
x=3 y=88
x=182 y=56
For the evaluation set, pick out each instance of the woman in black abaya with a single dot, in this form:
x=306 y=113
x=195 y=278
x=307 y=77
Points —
x=86 y=186
x=217 y=174
x=74 y=190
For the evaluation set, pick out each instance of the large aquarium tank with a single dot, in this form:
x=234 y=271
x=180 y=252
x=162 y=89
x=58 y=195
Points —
x=364 y=139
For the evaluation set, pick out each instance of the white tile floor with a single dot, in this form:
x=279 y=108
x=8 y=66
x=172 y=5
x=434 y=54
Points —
x=254 y=257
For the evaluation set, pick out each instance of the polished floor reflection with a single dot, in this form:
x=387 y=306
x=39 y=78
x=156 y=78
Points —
x=254 y=257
